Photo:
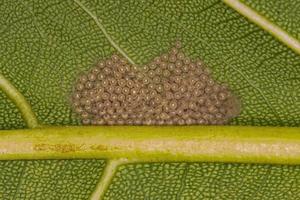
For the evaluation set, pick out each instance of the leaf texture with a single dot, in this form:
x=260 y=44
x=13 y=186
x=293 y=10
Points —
x=48 y=179
x=44 y=45
x=205 y=181
x=283 y=13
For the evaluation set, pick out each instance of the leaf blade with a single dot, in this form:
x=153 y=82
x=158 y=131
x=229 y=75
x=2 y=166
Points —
x=45 y=45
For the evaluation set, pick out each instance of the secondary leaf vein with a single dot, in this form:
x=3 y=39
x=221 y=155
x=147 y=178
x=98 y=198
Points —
x=106 y=178
x=102 y=28
x=265 y=24
x=19 y=100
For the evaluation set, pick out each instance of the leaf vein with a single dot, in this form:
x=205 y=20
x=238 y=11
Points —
x=265 y=24
x=102 y=28
x=19 y=100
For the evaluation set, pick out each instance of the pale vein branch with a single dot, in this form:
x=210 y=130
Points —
x=106 y=178
x=100 y=25
x=265 y=24
x=19 y=100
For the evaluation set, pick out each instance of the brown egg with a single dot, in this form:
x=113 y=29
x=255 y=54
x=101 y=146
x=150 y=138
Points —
x=201 y=121
x=113 y=97
x=130 y=84
x=208 y=90
x=86 y=121
x=158 y=71
x=153 y=93
x=109 y=63
x=134 y=91
x=101 y=64
x=144 y=91
x=163 y=65
x=151 y=73
x=100 y=122
x=210 y=82
x=186 y=61
x=122 y=69
x=199 y=85
x=182 y=89
x=196 y=93
x=164 y=57
x=177 y=71
x=177 y=95
x=187 y=95
x=179 y=64
x=107 y=104
x=76 y=96
x=83 y=79
x=121 y=97
x=177 y=79
x=192 y=67
x=85 y=101
x=146 y=80
x=166 y=73
x=180 y=56
x=92 y=77
x=115 y=58
x=173 y=51
x=185 y=68
x=84 y=115
x=76 y=103
x=121 y=82
x=110 y=89
x=159 y=88
x=100 y=105
x=222 y=96
x=157 y=60
x=192 y=105
x=85 y=93
x=107 y=71
x=105 y=96
x=190 y=121
x=212 y=109
x=145 y=68
x=156 y=80
x=123 y=61
x=171 y=67
x=167 y=86
x=173 y=104
x=100 y=77
x=79 y=86
x=181 y=121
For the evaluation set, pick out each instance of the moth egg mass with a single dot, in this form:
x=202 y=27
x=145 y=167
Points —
x=172 y=89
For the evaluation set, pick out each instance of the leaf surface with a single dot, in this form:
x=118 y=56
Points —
x=283 y=13
x=49 y=179
x=44 y=45
x=205 y=181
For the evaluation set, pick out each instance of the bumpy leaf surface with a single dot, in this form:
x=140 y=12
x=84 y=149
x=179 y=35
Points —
x=44 y=45
x=49 y=179
x=283 y=13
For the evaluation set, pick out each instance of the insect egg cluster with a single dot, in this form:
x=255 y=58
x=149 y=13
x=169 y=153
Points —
x=170 y=90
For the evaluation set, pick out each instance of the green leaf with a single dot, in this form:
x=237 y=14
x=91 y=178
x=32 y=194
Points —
x=283 y=13
x=205 y=181
x=45 y=45
x=49 y=179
